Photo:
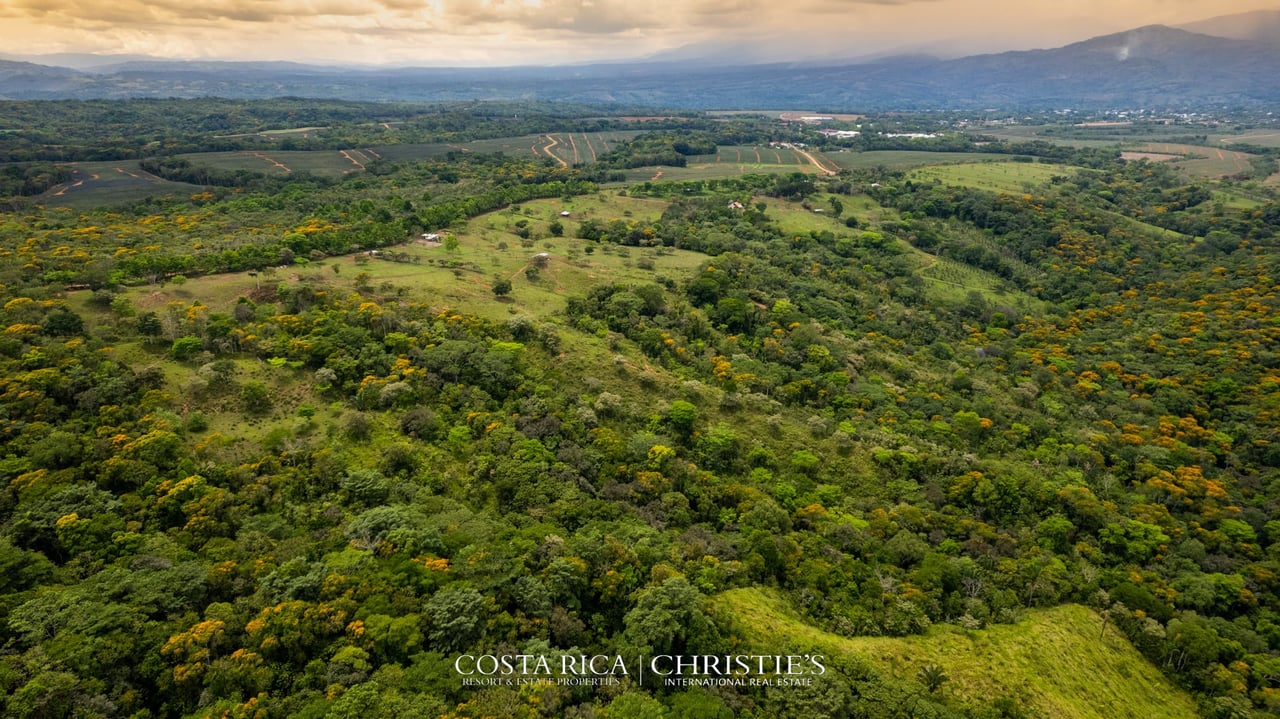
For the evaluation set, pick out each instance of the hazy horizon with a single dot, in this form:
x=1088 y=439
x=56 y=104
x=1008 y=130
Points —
x=528 y=32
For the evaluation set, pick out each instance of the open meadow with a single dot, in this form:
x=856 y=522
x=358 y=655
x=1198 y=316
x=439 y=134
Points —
x=1005 y=177
x=1062 y=662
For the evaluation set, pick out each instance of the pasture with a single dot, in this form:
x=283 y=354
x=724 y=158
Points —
x=462 y=279
x=1062 y=662
x=1002 y=177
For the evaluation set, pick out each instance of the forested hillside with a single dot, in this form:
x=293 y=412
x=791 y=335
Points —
x=291 y=446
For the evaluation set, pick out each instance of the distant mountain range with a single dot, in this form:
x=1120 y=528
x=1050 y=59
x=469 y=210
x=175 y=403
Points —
x=1259 y=26
x=1232 y=61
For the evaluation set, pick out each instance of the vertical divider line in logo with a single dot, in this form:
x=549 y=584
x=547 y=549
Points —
x=642 y=662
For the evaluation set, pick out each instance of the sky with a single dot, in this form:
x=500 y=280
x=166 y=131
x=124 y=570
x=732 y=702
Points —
x=539 y=32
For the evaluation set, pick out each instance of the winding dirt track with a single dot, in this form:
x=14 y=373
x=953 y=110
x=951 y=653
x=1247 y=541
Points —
x=825 y=170
x=547 y=150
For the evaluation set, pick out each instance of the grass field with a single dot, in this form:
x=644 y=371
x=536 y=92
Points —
x=1061 y=662
x=464 y=278
x=1006 y=177
x=906 y=159
x=94 y=184
x=1237 y=200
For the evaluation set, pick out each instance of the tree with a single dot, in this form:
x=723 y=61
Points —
x=932 y=677
x=837 y=207
x=256 y=398
x=149 y=324
x=455 y=615
x=62 y=322
x=670 y=619
x=682 y=415
x=184 y=348
x=502 y=287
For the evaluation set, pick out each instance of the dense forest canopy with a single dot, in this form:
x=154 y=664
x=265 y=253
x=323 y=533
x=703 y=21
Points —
x=291 y=444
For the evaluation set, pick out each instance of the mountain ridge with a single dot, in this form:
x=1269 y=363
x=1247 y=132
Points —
x=1154 y=65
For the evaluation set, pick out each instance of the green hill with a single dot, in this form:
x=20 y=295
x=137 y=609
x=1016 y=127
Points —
x=1064 y=662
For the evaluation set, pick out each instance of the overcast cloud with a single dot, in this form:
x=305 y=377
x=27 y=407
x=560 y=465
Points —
x=506 y=32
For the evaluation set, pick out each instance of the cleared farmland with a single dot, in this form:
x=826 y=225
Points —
x=1006 y=177
x=905 y=159
x=329 y=163
x=569 y=148
x=1203 y=161
x=93 y=184
x=1264 y=138
x=734 y=161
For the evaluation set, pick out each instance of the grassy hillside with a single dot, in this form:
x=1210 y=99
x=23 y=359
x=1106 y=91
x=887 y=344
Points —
x=1009 y=177
x=1060 y=662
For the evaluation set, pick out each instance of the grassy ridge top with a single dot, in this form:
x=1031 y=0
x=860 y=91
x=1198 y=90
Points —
x=1060 y=662
x=1001 y=177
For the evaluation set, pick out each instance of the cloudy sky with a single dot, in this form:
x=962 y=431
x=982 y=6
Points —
x=511 y=32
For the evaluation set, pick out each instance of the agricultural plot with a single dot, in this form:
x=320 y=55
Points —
x=566 y=148
x=95 y=184
x=737 y=160
x=1264 y=138
x=572 y=148
x=327 y=163
x=411 y=152
x=1005 y=177
x=1050 y=134
x=710 y=171
x=1203 y=161
x=589 y=146
x=905 y=159
x=752 y=155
